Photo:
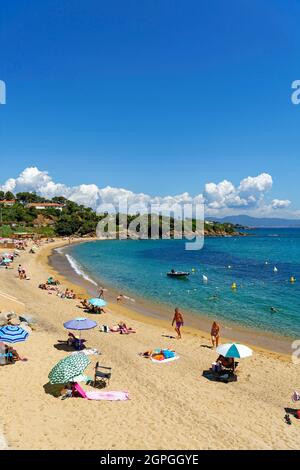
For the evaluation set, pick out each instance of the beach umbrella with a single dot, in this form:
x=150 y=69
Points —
x=79 y=324
x=97 y=302
x=6 y=260
x=234 y=350
x=68 y=368
x=238 y=351
x=12 y=334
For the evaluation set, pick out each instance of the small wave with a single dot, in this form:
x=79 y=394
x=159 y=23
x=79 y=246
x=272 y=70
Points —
x=59 y=250
x=79 y=270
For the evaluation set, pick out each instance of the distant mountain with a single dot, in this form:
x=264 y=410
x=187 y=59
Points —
x=248 y=221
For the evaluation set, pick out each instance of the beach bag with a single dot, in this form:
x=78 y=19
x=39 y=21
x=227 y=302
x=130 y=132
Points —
x=168 y=354
x=104 y=329
x=216 y=367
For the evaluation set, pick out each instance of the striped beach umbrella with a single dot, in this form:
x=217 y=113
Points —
x=97 y=302
x=12 y=334
x=68 y=368
x=235 y=350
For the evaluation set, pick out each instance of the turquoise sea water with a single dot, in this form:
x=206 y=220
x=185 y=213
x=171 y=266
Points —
x=139 y=268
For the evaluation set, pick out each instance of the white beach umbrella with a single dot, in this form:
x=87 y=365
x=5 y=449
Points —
x=235 y=350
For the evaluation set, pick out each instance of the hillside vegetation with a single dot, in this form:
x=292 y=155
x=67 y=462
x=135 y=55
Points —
x=74 y=219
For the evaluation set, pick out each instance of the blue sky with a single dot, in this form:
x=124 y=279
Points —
x=154 y=96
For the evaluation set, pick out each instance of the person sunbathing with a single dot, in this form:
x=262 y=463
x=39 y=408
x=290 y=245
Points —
x=124 y=329
x=47 y=287
x=72 y=295
x=12 y=355
x=52 y=282
x=95 y=309
x=69 y=294
x=85 y=304
x=74 y=342
x=147 y=353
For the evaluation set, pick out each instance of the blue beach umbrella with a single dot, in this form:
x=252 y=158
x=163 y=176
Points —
x=80 y=324
x=12 y=334
x=97 y=302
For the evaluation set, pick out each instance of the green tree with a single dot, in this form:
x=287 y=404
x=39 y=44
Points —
x=9 y=196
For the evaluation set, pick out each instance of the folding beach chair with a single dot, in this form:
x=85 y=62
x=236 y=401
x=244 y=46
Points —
x=101 y=375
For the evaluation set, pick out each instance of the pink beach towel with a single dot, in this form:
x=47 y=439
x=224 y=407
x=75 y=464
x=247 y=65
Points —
x=110 y=396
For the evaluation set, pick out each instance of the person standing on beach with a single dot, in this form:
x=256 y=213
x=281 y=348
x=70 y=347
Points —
x=178 y=320
x=19 y=271
x=215 y=334
x=101 y=293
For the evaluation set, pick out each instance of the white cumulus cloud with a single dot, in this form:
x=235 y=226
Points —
x=280 y=203
x=222 y=198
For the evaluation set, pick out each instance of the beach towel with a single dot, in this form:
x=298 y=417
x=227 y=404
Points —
x=109 y=396
x=170 y=359
x=88 y=352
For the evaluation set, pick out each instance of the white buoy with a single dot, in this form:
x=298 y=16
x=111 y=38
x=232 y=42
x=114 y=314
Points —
x=205 y=278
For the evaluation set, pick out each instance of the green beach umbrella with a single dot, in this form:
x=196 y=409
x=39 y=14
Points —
x=68 y=368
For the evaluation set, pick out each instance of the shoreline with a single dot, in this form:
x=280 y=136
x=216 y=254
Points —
x=148 y=311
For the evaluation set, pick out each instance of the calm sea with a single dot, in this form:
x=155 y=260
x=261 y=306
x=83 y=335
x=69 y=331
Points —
x=140 y=267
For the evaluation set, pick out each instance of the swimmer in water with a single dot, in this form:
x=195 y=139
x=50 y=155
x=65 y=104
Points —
x=273 y=310
x=213 y=298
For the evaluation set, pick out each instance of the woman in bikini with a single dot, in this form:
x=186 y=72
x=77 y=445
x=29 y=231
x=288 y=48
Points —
x=215 y=334
x=178 y=320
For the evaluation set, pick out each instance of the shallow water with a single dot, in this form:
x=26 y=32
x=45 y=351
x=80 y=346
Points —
x=139 y=268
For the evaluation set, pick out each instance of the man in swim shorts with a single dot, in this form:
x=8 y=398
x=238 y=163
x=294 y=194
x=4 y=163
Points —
x=178 y=320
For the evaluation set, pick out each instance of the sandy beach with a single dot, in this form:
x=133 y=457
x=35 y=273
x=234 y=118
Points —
x=172 y=406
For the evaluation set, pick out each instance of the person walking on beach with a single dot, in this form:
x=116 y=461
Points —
x=19 y=271
x=178 y=320
x=101 y=293
x=215 y=334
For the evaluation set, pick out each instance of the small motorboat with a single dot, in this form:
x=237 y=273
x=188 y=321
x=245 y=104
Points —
x=180 y=274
